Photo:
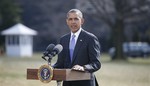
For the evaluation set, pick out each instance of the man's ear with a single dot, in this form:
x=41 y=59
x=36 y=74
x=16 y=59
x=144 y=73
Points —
x=67 y=21
x=82 y=20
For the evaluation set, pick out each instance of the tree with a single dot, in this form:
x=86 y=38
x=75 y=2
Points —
x=48 y=18
x=9 y=15
x=123 y=12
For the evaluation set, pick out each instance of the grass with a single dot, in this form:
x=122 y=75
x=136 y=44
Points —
x=134 y=72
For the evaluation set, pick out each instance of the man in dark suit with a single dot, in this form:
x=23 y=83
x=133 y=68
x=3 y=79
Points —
x=81 y=50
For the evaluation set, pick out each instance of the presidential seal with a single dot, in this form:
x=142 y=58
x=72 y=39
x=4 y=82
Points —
x=45 y=73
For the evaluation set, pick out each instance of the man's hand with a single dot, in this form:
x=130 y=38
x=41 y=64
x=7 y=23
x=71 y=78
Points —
x=78 y=68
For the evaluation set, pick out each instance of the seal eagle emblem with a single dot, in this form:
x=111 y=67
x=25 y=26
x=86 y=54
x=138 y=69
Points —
x=45 y=73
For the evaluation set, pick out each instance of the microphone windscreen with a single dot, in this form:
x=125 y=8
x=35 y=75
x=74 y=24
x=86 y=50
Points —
x=50 y=47
x=58 y=48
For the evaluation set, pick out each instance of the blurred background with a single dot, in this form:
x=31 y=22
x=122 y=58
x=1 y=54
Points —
x=112 y=21
x=122 y=27
x=102 y=17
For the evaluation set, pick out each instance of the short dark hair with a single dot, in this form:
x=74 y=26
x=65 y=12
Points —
x=75 y=11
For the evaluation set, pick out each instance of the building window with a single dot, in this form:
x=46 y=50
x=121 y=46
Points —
x=13 y=40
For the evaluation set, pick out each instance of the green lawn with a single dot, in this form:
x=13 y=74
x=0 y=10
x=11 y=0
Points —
x=134 y=72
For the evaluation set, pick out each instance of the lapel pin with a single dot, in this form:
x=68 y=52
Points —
x=81 y=40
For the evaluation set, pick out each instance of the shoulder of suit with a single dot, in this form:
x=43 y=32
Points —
x=66 y=35
x=91 y=35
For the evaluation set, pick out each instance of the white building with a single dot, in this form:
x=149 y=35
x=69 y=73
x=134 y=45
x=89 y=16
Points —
x=19 y=41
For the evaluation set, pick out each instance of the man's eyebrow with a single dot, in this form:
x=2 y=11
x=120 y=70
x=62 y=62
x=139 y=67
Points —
x=73 y=18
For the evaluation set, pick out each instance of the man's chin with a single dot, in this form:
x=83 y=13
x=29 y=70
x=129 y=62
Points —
x=74 y=30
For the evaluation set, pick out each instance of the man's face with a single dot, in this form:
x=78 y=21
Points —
x=74 y=22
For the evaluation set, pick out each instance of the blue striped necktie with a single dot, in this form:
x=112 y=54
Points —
x=72 y=45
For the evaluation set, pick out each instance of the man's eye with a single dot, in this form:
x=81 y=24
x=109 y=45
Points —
x=76 y=19
x=70 y=19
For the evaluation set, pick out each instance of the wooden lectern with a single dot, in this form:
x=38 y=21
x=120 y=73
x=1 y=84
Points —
x=61 y=74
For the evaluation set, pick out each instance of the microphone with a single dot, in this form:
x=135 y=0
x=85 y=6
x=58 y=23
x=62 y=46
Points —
x=56 y=50
x=49 y=49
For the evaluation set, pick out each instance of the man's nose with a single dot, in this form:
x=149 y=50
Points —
x=73 y=21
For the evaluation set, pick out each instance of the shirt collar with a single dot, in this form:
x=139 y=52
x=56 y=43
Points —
x=77 y=33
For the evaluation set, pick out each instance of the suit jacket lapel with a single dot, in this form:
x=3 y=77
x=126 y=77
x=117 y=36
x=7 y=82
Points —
x=67 y=45
x=78 y=45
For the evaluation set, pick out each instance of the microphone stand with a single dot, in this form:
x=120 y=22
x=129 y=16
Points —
x=49 y=63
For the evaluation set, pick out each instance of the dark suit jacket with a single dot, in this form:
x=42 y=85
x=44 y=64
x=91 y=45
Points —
x=86 y=53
